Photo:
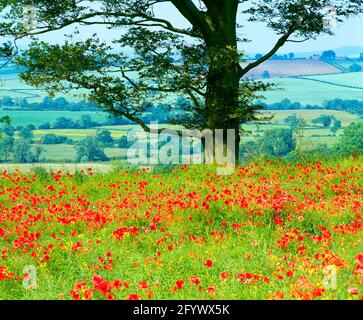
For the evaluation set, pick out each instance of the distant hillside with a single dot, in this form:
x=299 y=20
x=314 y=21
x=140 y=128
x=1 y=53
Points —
x=286 y=68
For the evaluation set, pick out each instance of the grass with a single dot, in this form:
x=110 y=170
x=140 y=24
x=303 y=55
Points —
x=264 y=232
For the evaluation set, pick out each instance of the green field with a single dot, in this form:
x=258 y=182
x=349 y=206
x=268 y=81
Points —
x=301 y=90
x=23 y=118
x=315 y=93
x=354 y=79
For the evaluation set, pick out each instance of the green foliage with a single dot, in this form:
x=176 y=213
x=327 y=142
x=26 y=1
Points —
x=295 y=122
x=337 y=124
x=104 y=137
x=26 y=133
x=23 y=152
x=7 y=129
x=90 y=149
x=351 y=140
x=165 y=60
x=328 y=55
x=355 y=68
x=6 y=147
x=5 y=120
x=53 y=139
x=278 y=142
x=324 y=120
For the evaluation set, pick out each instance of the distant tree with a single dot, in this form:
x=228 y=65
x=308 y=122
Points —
x=26 y=133
x=64 y=123
x=123 y=142
x=24 y=152
x=53 y=139
x=85 y=122
x=47 y=103
x=22 y=103
x=6 y=120
x=7 y=129
x=295 y=122
x=291 y=55
x=6 y=147
x=90 y=149
x=61 y=103
x=278 y=142
x=105 y=138
x=45 y=126
x=266 y=75
x=337 y=125
x=325 y=120
x=328 y=55
x=31 y=126
x=7 y=101
x=355 y=68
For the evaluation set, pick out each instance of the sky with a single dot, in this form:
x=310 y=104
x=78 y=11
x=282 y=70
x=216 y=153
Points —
x=348 y=33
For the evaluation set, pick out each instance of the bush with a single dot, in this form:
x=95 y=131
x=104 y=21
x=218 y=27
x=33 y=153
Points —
x=53 y=139
x=90 y=149
x=26 y=133
x=352 y=140
x=278 y=142
x=355 y=68
x=24 y=152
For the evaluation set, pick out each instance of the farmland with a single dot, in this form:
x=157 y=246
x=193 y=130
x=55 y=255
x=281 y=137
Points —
x=287 y=87
x=286 y=68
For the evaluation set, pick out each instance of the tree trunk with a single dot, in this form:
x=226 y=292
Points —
x=224 y=73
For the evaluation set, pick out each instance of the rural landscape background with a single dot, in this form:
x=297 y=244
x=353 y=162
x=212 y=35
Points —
x=79 y=221
x=306 y=89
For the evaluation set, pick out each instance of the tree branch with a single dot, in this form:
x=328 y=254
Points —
x=147 y=21
x=194 y=16
x=269 y=55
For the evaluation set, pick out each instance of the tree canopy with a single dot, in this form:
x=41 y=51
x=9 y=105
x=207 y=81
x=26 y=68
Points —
x=200 y=62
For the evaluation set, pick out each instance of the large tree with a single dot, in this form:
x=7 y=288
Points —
x=200 y=62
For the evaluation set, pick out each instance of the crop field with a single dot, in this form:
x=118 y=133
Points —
x=271 y=230
x=286 y=68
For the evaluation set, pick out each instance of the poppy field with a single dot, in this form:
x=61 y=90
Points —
x=271 y=230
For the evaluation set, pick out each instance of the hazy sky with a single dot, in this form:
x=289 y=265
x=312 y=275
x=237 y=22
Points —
x=349 y=33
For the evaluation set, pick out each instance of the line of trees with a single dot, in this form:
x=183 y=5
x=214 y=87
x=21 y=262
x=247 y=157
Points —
x=48 y=104
x=351 y=106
